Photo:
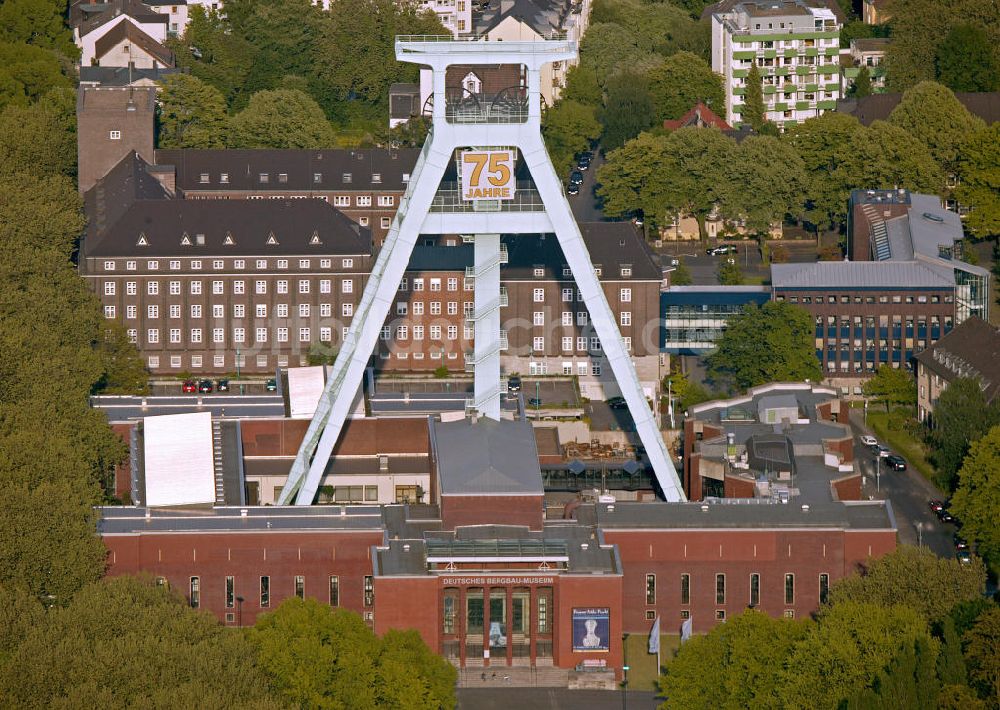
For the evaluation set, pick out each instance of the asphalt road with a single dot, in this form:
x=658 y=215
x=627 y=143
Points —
x=586 y=206
x=552 y=699
x=909 y=493
x=220 y=405
x=705 y=269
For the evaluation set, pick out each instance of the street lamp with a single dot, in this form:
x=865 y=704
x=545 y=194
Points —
x=538 y=401
x=624 y=671
x=878 y=470
x=239 y=612
x=920 y=533
x=238 y=368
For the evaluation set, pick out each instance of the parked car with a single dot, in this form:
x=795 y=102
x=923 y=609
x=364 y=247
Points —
x=936 y=505
x=514 y=384
x=638 y=218
x=720 y=250
x=535 y=402
x=896 y=462
x=675 y=262
x=960 y=542
x=882 y=451
x=964 y=556
x=572 y=189
x=205 y=387
x=869 y=440
x=222 y=385
x=945 y=517
x=583 y=162
x=271 y=385
x=576 y=177
x=189 y=386
x=617 y=403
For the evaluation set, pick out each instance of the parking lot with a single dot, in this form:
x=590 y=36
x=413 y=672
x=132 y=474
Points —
x=705 y=268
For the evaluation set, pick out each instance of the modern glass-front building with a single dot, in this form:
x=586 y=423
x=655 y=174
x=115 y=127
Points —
x=694 y=317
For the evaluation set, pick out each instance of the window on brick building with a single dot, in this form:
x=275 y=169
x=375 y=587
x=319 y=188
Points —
x=651 y=589
x=265 y=592
x=300 y=586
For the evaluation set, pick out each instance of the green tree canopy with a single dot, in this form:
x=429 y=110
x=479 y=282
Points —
x=884 y=156
x=27 y=72
x=38 y=23
x=892 y=385
x=730 y=273
x=979 y=186
x=40 y=138
x=126 y=642
x=966 y=61
x=823 y=144
x=631 y=178
x=284 y=118
x=682 y=81
x=569 y=128
x=681 y=275
x=693 y=178
x=734 y=666
x=920 y=26
x=608 y=48
x=844 y=653
x=628 y=109
x=326 y=658
x=213 y=52
x=192 y=114
x=657 y=27
x=960 y=417
x=582 y=86
x=977 y=499
x=930 y=113
x=770 y=343
x=981 y=644
x=862 y=84
x=889 y=581
x=765 y=180
x=753 y=100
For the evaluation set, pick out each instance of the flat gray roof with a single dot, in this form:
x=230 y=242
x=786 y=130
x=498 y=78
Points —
x=119 y=520
x=879 y=275
x=486 y=457
x=748 y=513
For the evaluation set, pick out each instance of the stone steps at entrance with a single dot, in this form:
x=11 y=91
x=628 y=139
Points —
x=513 y=677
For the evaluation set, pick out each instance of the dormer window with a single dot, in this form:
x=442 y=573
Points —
x=376 y=177
x=317 y=177
x=264 y=177
x=346 y=177
x=224 y=178
x=203 y=178
x=282 y=177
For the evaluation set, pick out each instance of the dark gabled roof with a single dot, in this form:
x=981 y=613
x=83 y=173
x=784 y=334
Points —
x=87 y=16
x=542 y=16
x=123 y=76
x=877 y=107
x=108 y=200
x=255 y=227
x=972 y=349
x=244 y=168
x=126 y=31
x=610 y=244
x=131 y=214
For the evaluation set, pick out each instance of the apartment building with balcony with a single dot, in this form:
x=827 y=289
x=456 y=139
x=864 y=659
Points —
x=795 y=45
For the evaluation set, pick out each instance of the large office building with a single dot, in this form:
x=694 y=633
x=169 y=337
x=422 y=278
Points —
x=795 y=45
x=490 y=576
x=224 y=261
x=904 y=288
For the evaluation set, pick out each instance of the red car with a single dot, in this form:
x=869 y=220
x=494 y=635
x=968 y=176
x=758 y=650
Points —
x=189 y=386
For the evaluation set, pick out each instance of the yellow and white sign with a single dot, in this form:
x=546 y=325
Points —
x=487 y=175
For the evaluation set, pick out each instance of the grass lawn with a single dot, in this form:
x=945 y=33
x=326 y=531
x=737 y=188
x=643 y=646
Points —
x=642 y=672
x=915 y=452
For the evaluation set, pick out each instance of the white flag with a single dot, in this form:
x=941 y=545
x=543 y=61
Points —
x=654 y=637
x=686 y=629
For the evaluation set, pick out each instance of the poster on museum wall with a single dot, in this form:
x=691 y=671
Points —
x=591 y=629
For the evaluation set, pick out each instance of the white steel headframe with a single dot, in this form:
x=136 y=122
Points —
x=422 y=210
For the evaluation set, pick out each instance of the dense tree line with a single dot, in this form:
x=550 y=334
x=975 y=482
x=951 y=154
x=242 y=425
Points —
x=809 y=172
x=69 y=638
x=909 y=631
x=288 y=73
